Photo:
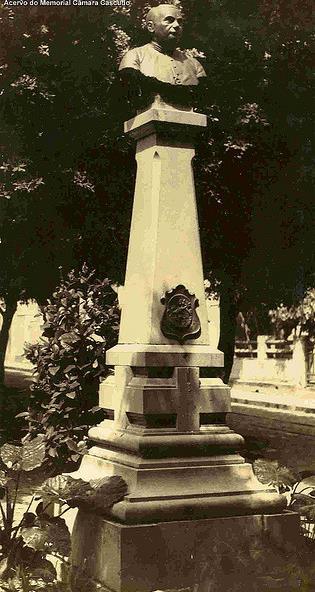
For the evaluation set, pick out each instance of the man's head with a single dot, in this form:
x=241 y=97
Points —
x=166 y=23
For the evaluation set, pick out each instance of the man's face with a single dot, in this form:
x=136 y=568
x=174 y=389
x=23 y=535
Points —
x=166 y=25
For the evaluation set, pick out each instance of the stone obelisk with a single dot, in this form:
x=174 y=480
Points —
x=165 y=432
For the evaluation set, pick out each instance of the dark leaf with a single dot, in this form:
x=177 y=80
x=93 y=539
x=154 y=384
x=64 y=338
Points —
x=66 y=488
x=28 y=519
x=39 y=508
x=308 y=511
x=33 y=454
x=109 y=493
x=302 y=499
x=72 y=445
x=305 y=474
x=101 y=495
x=43 y=569
x=59 y=537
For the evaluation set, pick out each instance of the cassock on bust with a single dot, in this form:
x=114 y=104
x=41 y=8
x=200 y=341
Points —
x=159 y=72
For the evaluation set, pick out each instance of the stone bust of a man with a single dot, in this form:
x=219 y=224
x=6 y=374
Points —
x=159 y=70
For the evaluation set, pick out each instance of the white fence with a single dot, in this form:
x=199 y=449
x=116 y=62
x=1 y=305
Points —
x=270 y=360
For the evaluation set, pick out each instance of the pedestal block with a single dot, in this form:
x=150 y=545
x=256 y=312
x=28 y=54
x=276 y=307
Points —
x=225 y=555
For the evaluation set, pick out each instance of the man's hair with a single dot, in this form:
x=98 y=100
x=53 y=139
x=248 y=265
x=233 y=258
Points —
x=150 y=16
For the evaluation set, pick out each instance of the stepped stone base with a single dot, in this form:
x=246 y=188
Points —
x=180 y=488
x=167 y=439
x=239 y=553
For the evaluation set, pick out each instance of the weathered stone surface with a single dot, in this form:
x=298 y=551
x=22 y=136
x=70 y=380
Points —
x=182 y=394
x=227 y=554
x=164 y=245
x=161 y=355
x=288 y=433
x=148 y=122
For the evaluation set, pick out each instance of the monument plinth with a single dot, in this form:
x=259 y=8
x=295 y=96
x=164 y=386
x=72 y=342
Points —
x=165 y=431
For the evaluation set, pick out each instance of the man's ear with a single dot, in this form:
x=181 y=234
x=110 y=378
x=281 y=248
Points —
x=150 y=26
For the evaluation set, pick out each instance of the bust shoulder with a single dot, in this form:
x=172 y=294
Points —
x=133 y=57
x=199 y=69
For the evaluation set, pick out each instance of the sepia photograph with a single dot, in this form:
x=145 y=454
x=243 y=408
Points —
x=157 y=296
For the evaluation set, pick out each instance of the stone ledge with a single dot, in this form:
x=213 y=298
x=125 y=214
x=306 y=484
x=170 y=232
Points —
x=137 y=354
x=166 y=443
x=197 y=508
x=295 y=420
x=155 y=119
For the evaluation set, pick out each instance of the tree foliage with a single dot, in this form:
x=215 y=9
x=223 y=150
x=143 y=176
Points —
x=68 y=171
x=81 y=322
x=299 y=317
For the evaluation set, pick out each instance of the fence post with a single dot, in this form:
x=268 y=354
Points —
x=300 y=362
x=261 y=348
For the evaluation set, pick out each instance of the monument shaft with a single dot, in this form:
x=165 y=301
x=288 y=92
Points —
x=164 y=248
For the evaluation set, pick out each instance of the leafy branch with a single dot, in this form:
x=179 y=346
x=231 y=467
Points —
x=81 y=322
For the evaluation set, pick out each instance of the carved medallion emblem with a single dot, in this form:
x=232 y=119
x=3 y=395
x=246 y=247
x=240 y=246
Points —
x=180 y=320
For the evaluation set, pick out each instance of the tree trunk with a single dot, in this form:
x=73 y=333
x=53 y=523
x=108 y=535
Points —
x=7 y=317
x=227 y=327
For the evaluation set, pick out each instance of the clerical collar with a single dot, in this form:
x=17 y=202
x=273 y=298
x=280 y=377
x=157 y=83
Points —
x=158 y=48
